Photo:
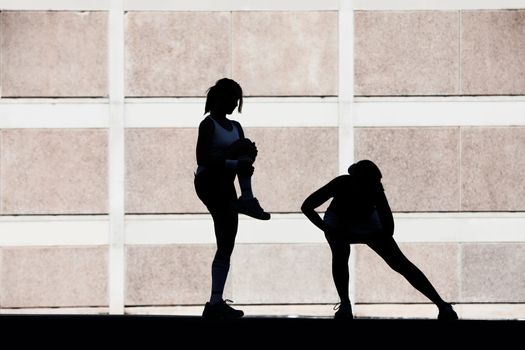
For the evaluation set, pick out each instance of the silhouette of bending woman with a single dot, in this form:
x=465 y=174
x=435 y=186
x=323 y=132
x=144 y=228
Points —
x=223 y=153
x=359 y=213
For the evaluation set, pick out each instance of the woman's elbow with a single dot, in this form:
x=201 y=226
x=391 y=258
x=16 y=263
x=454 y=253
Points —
x=305 y=207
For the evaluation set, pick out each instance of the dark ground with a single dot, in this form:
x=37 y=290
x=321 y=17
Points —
x=192 y=332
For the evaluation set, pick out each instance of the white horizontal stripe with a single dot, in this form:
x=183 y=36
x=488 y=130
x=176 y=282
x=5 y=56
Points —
x=282 y=228
x=460 y=227
x=250 y=5
x=29 y=114
x=295 y=228
x=256 y=112
x=69 y=5
x=437 y=4
x=267 y=112
x=53 y=230
x=439 y=113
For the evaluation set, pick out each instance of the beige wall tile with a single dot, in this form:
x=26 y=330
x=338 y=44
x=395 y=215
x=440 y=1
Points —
x=420 y=166
x=54 y=171
x=53 y=276
x=376 y=282
x=492 y=168
x=49 y=53
x=176 y=53
x=492 y=52
x=170 y=274
x=493 y=272
x=283 y=273
x=286 y=53
x=406 y=52
x=159 y=171
x=292 y=163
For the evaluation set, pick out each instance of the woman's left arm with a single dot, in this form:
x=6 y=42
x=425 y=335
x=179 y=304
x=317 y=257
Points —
x=384 y=212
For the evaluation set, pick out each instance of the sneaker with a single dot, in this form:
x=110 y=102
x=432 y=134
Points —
x=446 y=312
x=251 y=207
x=221 y=310
x=344 y=312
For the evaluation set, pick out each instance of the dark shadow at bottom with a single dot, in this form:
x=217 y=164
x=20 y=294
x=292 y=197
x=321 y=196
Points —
x=253 y=332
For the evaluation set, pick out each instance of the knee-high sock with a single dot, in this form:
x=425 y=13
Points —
x=219 y=273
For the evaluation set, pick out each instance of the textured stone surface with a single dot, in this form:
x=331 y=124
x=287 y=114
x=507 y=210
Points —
x=420 y=166
x=50 y=53
x=291 y=164
x=493 y=272
x=283 y=273
x=286 y=53
x=376 y=282
x=492 y=52
x=159 y=171
x=54 y=171
x=170 y=274
x=492 y=168
x=406 y=52
x=176 y=53
x=53 y=276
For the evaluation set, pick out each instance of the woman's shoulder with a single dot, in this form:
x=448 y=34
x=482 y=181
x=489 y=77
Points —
x=340 y=181
x=206 y=122
x=239 y=127
x=343 y=179
x=236 y=123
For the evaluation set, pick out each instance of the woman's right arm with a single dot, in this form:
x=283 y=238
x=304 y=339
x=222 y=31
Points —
x=315 y=200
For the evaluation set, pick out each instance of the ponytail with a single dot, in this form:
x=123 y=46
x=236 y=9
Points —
x=210 y=99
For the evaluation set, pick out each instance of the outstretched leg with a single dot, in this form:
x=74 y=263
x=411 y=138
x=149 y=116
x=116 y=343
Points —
x=341 y=277
x=392 y=255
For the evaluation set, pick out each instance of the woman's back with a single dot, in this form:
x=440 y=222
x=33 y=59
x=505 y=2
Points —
x=353 y=200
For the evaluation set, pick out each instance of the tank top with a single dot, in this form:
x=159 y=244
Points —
x=221 y=140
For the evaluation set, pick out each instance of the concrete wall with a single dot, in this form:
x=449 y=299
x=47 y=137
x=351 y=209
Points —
x=175 y=56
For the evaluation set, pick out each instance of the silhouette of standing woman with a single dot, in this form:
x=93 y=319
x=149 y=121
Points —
x=359 y=213
x=223 y=153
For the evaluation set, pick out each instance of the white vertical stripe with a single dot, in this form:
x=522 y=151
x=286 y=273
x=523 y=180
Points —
x=116 y=158
x=346 y=85
x=346 y=96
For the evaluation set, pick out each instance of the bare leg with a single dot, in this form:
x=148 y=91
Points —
x=247 y=204
x=245 y=182
x=392 y=255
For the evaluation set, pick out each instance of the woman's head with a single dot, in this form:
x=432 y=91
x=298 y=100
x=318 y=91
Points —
x=223 y=97
x=365 y=171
